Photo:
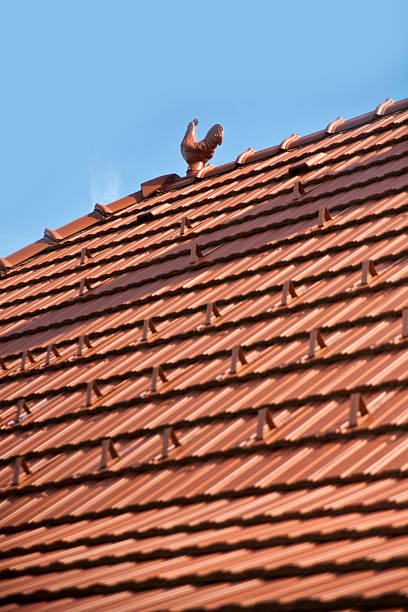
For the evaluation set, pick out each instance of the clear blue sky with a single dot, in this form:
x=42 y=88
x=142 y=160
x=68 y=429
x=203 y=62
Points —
x=96 y=94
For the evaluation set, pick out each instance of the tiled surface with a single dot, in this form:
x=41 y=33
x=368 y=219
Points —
x=311 y=514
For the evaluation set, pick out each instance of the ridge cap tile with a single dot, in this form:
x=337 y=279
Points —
x=174 y=181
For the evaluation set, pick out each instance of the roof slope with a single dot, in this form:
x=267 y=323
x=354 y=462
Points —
x=204 y=391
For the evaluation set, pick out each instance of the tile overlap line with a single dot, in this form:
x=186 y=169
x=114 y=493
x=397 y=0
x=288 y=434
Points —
x=259 y=446
x=352 y=603
x=252 y=544
x=261 y=519
x=185 y=501
x=221 y=576
x=172 y=465
x=203 y=263
x=205 y=357
x=195 y=333
x=387 y=385
x=239 y=297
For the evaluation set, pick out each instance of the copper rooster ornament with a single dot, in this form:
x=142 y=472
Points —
x=196 y=153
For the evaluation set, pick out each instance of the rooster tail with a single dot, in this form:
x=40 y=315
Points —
x=214 y=136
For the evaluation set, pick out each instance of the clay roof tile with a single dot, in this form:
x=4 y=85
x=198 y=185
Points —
x=203 y=387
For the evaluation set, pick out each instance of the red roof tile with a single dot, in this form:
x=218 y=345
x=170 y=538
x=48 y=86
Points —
x=204 y=392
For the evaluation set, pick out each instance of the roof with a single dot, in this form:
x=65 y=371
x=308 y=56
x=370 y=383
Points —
x=204 y=388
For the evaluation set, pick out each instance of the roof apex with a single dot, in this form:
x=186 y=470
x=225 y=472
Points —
x=174 y=181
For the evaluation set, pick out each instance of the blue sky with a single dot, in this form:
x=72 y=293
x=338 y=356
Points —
x=96 y=94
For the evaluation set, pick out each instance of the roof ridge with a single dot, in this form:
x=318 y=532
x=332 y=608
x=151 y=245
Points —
x=226 y=377
x=170 y=182
x=182 y=238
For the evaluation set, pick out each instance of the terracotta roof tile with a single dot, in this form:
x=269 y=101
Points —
x=215 y=417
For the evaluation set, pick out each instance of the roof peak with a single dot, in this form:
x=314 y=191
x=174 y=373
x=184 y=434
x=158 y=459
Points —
x=174 y=181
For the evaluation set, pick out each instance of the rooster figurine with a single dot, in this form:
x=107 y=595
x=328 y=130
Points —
x=196 y=153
